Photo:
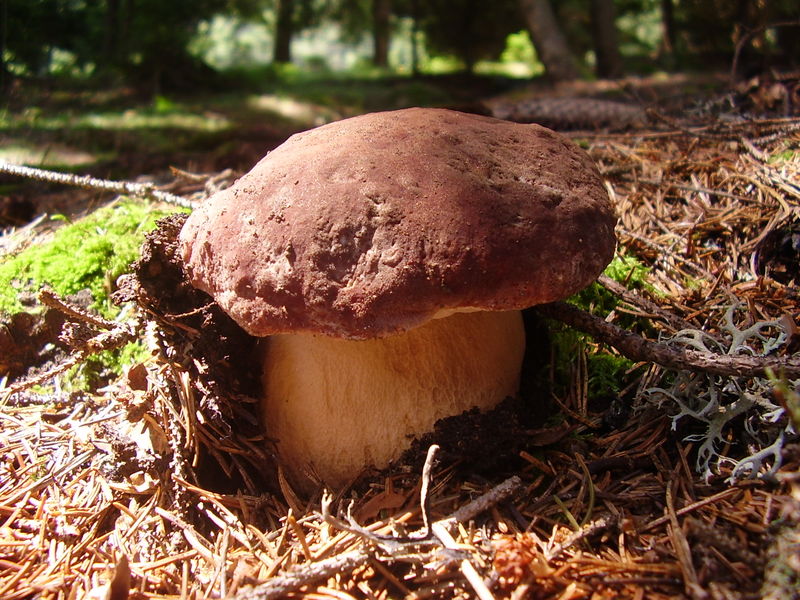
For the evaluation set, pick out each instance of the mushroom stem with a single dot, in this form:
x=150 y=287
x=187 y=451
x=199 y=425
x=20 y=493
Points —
x=338 y=406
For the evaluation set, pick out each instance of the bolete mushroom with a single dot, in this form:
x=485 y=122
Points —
x=386 y=258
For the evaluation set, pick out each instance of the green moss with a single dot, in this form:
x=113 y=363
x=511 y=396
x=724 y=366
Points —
x=87 y=254
x=626 y=270
x=607 y=372
x=783 y=156
x=96 y=370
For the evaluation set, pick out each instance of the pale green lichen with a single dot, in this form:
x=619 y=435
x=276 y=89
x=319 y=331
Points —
x=741 y=411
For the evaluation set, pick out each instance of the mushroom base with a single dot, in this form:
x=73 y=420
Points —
x=336 y=407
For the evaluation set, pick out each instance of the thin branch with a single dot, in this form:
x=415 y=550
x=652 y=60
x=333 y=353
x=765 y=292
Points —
x=49 y=298
x=637 y=348
x=138 y=190
x=746 y=38
x=424 y=497
x=588 y=530
x=673 y=320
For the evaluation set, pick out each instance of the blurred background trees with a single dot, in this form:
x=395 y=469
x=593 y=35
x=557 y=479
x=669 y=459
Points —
x=182 y=44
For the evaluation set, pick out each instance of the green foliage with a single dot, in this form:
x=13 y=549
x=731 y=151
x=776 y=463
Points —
x=519 y=48
x=469 y=29
x=784 y=156
x=95 y=370
x=607 y=372
x=139 y=40
x=155 y=43
x=88 y=254
x=640 y=30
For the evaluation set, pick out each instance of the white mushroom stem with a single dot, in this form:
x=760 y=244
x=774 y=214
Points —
x=338 y=406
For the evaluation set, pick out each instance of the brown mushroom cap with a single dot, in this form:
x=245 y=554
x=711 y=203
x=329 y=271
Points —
x=372 y=225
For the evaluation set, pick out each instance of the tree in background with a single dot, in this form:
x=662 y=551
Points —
x=357 y=17
x=666 y=49
x=381 y=31
x=707 y=32
x=59 y=24
x=551 y=44
x=470 y=30
x=284 y=30
x=608 y=60
x=141 y=41
x=145 y=42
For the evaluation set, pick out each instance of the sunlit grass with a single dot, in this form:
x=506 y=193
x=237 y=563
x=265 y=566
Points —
x=292 y=109
x=129 y=119
x=21 y=152
x=70 y=133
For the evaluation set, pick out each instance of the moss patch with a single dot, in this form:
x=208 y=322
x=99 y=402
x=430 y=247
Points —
x=626 y=270
x=87 y=254
x=90 y=253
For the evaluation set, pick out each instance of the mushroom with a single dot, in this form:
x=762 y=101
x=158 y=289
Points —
x=385 y=259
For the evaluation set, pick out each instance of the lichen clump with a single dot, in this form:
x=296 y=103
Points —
x=718 y=403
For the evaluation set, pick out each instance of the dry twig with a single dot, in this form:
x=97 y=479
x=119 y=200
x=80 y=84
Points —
x=136 y=190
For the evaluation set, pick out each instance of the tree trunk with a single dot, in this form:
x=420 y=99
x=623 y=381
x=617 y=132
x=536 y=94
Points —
x=4 y=79
x=381 y=14
x=604 y=35
x=549 y=40
x=414 y=36
x=284 y=28
x=111 y=49
x=667 y=30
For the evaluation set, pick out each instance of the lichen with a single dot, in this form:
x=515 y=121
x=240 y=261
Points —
x=742 y=411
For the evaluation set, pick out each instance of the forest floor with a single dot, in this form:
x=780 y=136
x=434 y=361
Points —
x=670 y=483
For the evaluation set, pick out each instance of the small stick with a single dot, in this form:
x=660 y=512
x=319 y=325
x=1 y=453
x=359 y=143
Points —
x=108 y=340
x=51 y=299
x=470 y=574
x=440 y=530
x=424 y=497
x=138 y=190
x=673 y=320
x=116 y=336
x=496 y=495
x=592 y=528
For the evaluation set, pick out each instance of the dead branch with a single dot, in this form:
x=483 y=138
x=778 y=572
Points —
x=145 y=191
x=597 y=526
x=637 y=348
x=674 y=321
